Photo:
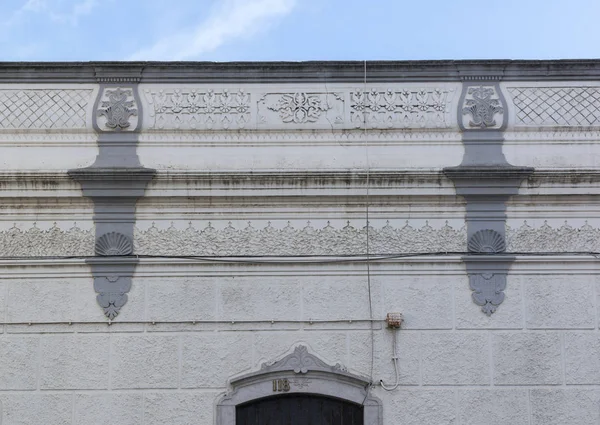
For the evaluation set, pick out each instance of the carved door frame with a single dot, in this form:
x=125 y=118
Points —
x=300 y=373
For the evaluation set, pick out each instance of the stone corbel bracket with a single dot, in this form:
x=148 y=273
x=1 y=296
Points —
x=114 y=183
x=486 y=181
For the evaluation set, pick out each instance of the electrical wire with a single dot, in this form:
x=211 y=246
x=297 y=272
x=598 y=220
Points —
x=367 y=228
x=305 y=259
x=368 y=225
x=190 y=322
x=395 y=360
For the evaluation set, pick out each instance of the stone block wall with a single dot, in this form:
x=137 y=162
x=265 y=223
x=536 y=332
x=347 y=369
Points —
x=531 y=362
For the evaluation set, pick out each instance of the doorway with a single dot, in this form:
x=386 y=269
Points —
x=299 y=409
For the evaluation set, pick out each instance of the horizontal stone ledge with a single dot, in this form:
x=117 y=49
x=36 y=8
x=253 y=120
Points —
x=257 y=183
x=429 y=264
x=337 y=174
x=313 y=71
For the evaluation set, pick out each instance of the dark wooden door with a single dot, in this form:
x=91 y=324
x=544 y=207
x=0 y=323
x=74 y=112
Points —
x=299 y=409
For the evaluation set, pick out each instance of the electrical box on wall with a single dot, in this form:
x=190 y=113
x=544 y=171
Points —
x=394 y=320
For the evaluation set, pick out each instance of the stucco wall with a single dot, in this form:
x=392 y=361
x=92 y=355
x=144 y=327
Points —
x=534 y=359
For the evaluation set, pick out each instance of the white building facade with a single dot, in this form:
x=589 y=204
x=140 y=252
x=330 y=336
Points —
x=214 y=243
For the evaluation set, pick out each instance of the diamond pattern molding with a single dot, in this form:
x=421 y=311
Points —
x=43 y=109
x=552 y=106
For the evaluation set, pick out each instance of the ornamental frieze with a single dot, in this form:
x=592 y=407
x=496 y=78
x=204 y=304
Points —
x=33 y=242
x=401 y=108
x=546 y=238
x=209 y=108
x=198 y=109
x=286 y=239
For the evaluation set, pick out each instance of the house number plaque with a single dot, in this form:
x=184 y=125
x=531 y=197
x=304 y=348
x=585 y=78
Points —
x=281 y=385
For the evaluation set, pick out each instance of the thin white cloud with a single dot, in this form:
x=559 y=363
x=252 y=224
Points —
x=77 y=11
x=70 y=16
x=230 y=20
x=34 y=6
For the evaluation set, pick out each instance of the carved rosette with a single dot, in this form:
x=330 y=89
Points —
x=113 y=244
x=117 y=110
x=301 y=109
x=486 y=241
x=488 y=290
x=482 y=107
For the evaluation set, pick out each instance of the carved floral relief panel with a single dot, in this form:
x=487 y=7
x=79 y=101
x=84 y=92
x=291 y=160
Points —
x=55 y=241
x=427 y=107
x=117 y=109
x=301 y=109
x=216 y=108
x=482 y=107
x=547 y=238
x=198 y=108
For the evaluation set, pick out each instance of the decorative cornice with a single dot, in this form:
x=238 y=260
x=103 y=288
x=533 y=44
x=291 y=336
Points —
x=112 y=174
x=490 y=77
x=117 y=73
x=118 y=80
x=551 y=182
x=313 y=71
x=554 y=135
x=476 y=173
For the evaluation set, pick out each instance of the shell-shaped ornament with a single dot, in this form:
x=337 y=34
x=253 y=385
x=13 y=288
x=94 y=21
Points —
x=112 y=244
x=486 y=241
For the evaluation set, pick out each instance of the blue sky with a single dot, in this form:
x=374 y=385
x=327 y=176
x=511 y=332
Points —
x=228 y=30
